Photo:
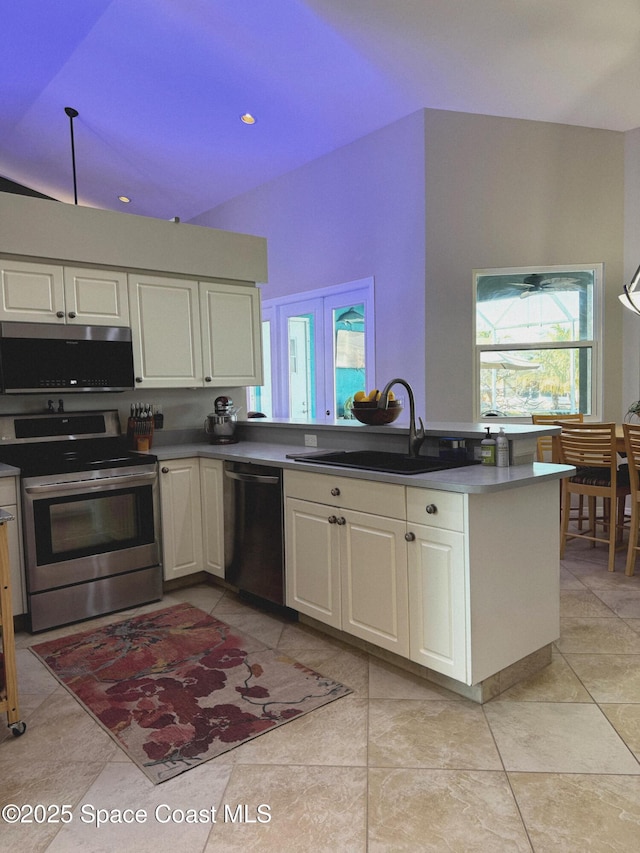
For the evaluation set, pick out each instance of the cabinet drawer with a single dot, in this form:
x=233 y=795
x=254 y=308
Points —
x=364 y=495
x=447 y=508
x=7 y=490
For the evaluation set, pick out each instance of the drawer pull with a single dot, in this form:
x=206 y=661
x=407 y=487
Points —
x=335 y=492
x=410 y=537
x=165 y=470
x=432 y=509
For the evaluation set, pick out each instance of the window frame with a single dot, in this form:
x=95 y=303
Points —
x=321 y=303
x=594 y=343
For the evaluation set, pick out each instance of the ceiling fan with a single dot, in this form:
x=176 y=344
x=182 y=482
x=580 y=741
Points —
x=537 y=283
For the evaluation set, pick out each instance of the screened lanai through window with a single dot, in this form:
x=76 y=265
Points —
x=537 y=334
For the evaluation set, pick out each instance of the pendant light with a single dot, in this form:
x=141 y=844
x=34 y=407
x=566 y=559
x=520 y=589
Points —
x=73 y=114
x=630 y=298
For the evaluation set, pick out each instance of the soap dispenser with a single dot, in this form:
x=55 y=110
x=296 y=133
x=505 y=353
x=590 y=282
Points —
x=502 y=450
x=488 y=449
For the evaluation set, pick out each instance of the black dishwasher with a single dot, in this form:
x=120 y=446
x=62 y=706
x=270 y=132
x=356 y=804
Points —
x=254 y=549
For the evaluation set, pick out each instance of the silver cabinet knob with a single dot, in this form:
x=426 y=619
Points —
x=432 y=509
x=335 y=492
x=60 y=314
x=332 y=519
x=165 y=470
x=341 y=520
x=409 y=536
x=138 y=378
x=72 y=315
x=208 y=379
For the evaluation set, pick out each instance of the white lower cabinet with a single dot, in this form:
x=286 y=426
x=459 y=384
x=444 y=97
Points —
x=211 y=486
x=180 y=508
x=395 y=577
x=437 y=611
x=191 y=507
x=438 y=600
x=312 y=547
x=346 y=565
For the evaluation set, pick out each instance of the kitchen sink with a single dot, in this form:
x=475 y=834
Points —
x=382 y=460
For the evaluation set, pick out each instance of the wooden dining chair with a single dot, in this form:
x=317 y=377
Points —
x=544 y=449
x=545 y=453
x=591 y=448
x=632 y=447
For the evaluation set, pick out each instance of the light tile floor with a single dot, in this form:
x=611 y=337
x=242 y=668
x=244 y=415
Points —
x=398 y=765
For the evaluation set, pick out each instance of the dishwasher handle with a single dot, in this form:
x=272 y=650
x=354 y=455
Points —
x=268 y=479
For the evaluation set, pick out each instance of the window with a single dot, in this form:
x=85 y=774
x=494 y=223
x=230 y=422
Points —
x=320 y=347
x=537 y=334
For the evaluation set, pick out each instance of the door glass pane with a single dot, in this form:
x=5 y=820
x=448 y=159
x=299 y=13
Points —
x=300 y=332
x=348 y=325
x=260 y=397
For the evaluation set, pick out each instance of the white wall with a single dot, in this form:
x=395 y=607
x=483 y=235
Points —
x=510 y=192
x=418 y=205
x=355 y=213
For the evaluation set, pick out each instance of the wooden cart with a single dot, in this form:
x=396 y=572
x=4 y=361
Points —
x=8 y=672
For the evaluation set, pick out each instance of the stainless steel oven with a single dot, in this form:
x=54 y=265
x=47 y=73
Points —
x=89 y=510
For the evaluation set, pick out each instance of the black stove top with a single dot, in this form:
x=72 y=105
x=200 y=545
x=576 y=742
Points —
x=64 y=457
x=42 y=445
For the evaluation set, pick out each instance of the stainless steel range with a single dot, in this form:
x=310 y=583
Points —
x=89 y=515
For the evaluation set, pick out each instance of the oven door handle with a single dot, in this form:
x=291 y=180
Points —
x=92 y=485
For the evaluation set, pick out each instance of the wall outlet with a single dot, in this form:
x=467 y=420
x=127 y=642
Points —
x=311 y=440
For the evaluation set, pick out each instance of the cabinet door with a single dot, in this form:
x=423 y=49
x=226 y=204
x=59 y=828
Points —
x=313 y=561
x=231 y=334
x=96 y=297
x=438 y=601
x=211 y=485
x=31 y=293
x=373 y=564
x=165 y=327
x=181 y=517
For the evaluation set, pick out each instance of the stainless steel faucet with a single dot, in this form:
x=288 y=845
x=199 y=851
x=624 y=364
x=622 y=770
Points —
x=416 y=436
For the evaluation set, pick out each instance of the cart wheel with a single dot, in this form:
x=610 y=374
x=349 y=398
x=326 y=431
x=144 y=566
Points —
x=18 y=728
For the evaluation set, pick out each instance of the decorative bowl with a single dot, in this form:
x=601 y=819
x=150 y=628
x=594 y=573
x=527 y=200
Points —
x=369 y=413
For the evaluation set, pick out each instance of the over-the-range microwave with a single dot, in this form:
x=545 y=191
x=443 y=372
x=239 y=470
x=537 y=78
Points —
x=37 y=358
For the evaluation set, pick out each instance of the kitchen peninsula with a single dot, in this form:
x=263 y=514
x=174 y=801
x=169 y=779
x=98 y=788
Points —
x=453 y=575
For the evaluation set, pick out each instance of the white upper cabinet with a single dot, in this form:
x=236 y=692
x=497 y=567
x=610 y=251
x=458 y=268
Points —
x=47 y=293
x=96 y=297
x=165 y=325
x=231 y=334
x=32 y=293
x=188 y=334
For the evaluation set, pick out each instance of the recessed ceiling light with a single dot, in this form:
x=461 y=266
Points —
x=124 y=199
x=247 y=118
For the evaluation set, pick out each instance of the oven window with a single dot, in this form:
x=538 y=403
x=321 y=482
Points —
x=76 y=526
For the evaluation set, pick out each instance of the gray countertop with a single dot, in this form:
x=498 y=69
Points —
x=470 y=479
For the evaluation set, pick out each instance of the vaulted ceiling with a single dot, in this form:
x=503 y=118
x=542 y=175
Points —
x=159 y=85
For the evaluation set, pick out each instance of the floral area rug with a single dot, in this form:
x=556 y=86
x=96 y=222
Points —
x=177 y=687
